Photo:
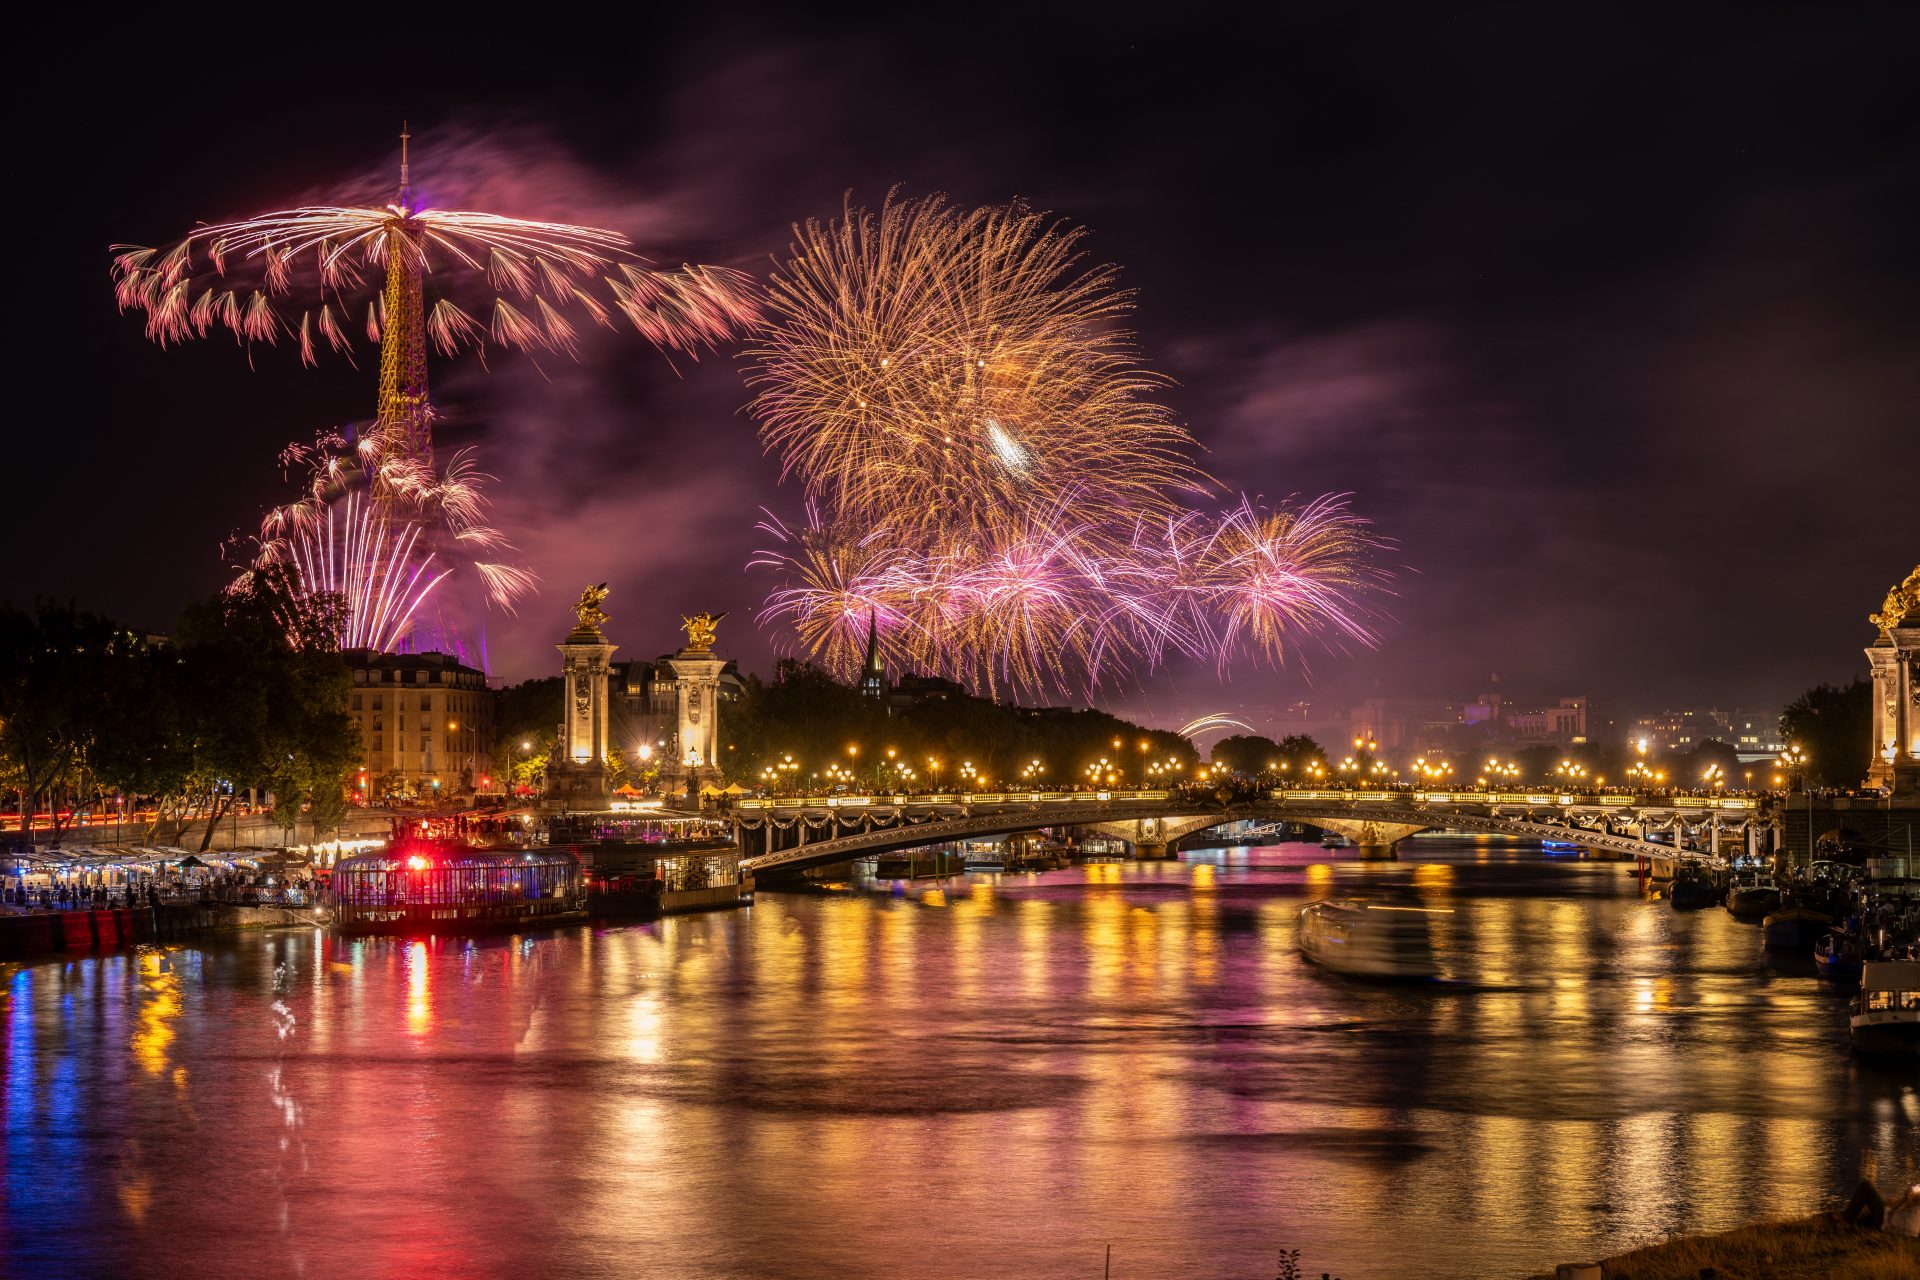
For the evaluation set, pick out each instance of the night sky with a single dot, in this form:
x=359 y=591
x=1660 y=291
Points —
x=1609 y=316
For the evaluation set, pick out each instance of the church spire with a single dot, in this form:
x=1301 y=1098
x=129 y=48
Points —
x=873 y=676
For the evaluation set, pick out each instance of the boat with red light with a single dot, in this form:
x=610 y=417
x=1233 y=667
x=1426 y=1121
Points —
x=427 y=882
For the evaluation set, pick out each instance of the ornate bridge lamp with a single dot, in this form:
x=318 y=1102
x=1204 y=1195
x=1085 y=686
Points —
x=1795 y=762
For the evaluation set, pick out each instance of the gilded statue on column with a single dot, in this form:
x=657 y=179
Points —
x=700 y=629
x=1901 y=601
x=591 y=616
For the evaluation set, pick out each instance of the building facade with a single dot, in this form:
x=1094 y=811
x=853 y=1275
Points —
x=645 y=705
x=426 y=726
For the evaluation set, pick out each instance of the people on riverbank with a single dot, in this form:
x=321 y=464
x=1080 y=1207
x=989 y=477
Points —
x=295 y=887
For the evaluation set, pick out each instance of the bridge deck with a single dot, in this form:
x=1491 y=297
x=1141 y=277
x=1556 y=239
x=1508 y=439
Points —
x=882 y=823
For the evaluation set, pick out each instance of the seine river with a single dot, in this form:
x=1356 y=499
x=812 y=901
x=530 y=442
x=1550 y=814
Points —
x=988 y=1076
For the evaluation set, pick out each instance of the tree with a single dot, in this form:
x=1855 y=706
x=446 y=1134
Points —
x=1299 y=755
x=148 y=751
x=1246 y=753
x=829 y=729
x=1833 y=726
x=61 y=672
x=531 y=709
x=265 y=694
x=802 y=712
x=530 y=714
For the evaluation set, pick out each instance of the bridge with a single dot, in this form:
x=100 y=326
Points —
x=794 y=832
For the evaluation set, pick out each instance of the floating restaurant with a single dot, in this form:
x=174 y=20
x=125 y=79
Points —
x=653 y=861
x=436 y=886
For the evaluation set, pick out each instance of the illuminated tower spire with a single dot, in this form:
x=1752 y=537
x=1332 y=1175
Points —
x=873 y=676
x=404 y=416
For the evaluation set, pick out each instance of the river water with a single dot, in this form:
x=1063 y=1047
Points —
x=987 y=1076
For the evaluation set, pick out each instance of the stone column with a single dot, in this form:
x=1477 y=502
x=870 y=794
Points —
x=698 y=747
x=578 y=776
x=1883 y=660
x=1906 y=750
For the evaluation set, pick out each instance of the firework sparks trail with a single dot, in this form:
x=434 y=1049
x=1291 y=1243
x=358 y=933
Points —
x=305 y=276
x=991 y=479
x=379 y=569
x=391 y=537
x=1213 y=723
x=325 y=274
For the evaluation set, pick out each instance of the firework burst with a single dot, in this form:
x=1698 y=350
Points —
x=926 y=369
x=1249 y=582
x=991 y=478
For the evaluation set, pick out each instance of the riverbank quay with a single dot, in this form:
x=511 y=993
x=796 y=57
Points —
x=35 y=935
x=1816 y=1248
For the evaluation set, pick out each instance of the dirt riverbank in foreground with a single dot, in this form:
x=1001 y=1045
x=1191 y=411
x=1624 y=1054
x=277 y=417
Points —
x=1804 y=1249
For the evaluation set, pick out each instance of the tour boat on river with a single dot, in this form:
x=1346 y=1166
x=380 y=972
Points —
x=1368 y=939
x=1886 y=1017
x=1753 y=897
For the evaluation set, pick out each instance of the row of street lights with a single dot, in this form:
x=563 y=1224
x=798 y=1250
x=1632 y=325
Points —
x=1362 y=768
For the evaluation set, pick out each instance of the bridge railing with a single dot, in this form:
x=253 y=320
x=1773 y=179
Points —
x=947 y=797
x=1344 y=795
x=1531 y=799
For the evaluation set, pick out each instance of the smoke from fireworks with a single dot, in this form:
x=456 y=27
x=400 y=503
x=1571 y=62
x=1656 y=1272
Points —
x=991 y=479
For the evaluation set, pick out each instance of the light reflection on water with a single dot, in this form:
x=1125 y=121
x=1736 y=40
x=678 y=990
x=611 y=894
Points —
x=995 y=1075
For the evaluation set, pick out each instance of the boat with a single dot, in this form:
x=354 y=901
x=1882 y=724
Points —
x=1367 y=938
x=1334 y=840
x=441 y=885
x=1796 y=925
x=1836 y=959
x=1753 y=897
x=1691 y=892
x=1886 y=1016
x=1559 y=848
